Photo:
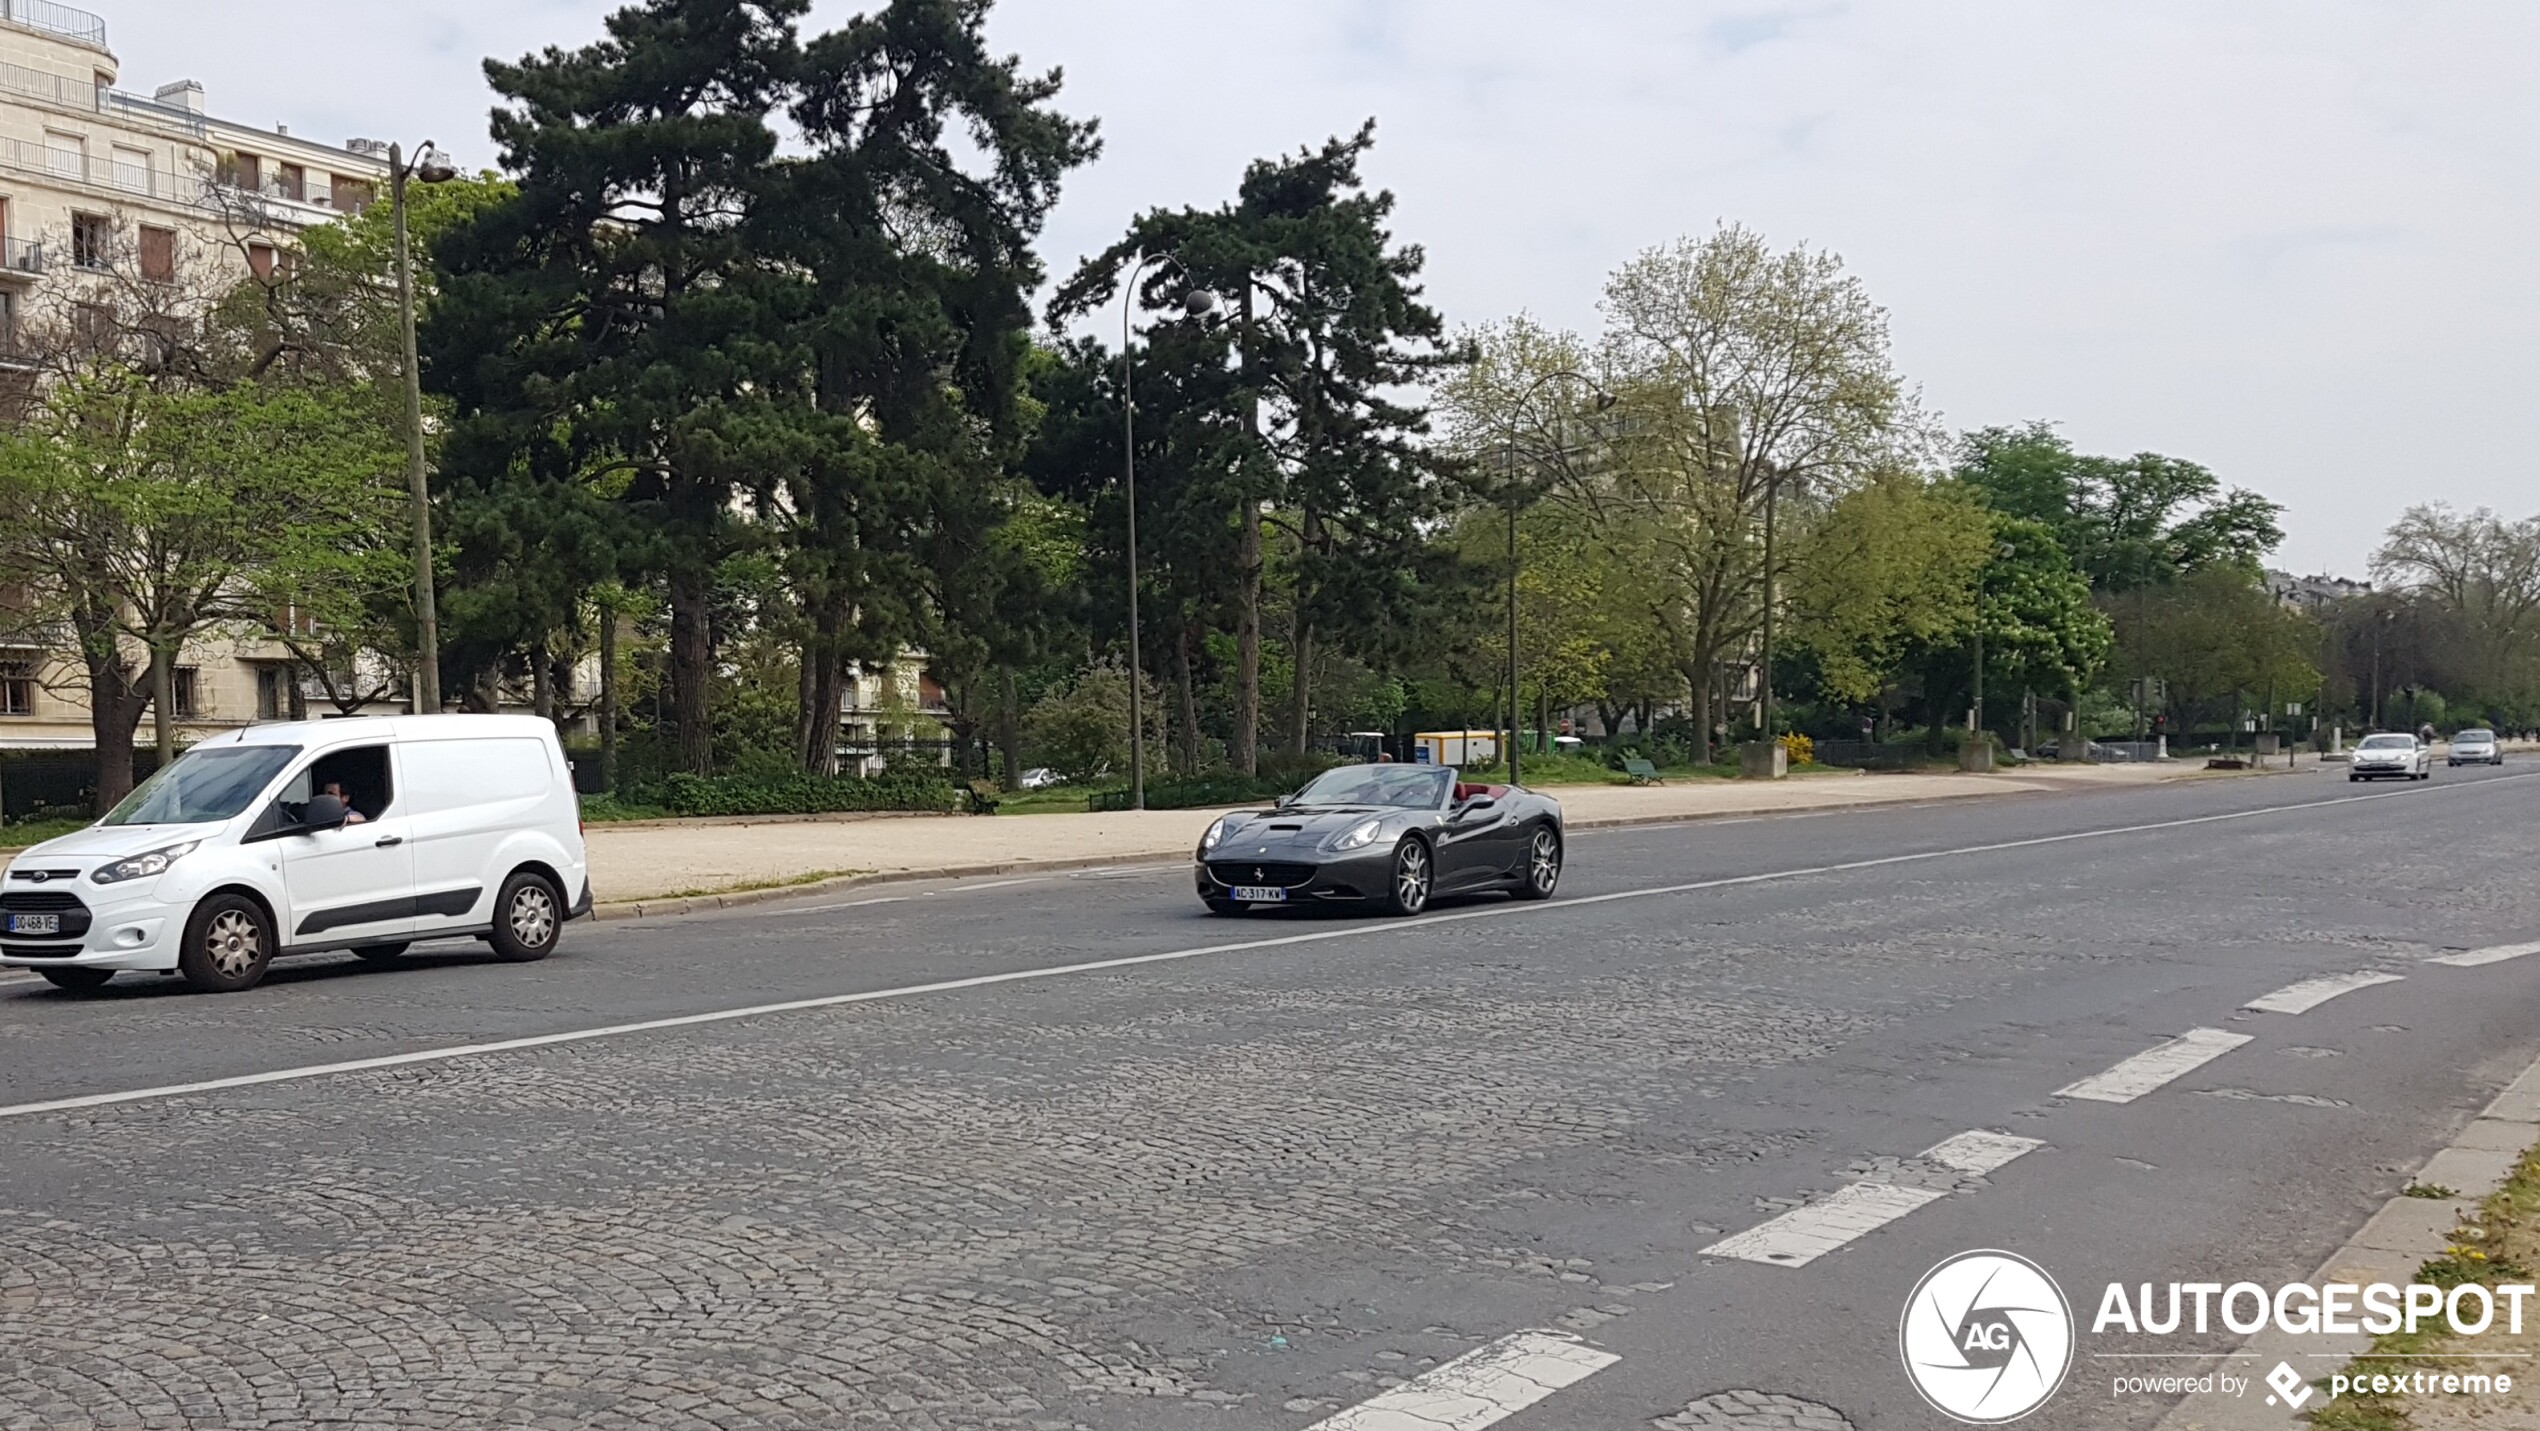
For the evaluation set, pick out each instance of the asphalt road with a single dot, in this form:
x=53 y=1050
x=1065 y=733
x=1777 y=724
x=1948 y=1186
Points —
x=1140 y=1168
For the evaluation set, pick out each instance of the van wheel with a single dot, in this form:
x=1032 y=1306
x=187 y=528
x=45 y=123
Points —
x=380 y=952
x=228 y=944
x=528 y=918
x=78 y=981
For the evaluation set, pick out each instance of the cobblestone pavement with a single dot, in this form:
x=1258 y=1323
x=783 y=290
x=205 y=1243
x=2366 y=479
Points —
x=1245 y=1191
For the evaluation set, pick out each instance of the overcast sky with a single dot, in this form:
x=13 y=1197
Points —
x=2293 y=241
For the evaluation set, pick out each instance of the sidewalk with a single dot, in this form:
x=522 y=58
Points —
x=662 y=869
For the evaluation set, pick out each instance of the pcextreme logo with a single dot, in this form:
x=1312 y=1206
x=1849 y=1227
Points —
x=1986 y=1337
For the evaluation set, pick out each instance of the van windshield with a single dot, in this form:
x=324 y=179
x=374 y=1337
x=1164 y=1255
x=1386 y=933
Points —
x=203 y=786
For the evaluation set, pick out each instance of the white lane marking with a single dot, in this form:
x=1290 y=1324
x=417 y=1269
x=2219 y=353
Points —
x=2311 y=993
x=850 y=904
x=2153 y=1067
x=1129 y=961
x=2471 y=959
x=1804 y=1234
x=1478 y=1388
x=1981 y=1152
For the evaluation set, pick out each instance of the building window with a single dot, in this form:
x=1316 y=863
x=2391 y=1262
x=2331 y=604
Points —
x=189 y=689
x=17 y=688
x=247 y=172
x=132 y=170
x=158 y=254
x=273 y=696
x=352 y=195
x=260 y=259
x=294 y=183
x=66 y=155
x=92 y=241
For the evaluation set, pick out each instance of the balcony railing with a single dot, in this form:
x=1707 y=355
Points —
x=59 y=19
x=72 y=166
x=19 y=255
x=87 y=95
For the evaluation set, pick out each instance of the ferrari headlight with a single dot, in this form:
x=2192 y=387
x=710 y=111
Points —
x=1360 y=835
x=143 y=866
x=1216 y=832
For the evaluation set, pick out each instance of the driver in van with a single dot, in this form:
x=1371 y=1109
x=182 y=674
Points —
x=351 y=815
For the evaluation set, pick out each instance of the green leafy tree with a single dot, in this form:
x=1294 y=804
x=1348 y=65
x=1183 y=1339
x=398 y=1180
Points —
x=1327 y=335
x=2127 y=521
x=613 y=323
x=1887 y=569
x=166 y=486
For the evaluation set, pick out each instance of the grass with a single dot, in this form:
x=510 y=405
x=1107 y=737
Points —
x=2497 y=1244
x=35 y=832
x=1048 y=800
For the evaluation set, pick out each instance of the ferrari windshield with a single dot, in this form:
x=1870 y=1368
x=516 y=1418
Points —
x=1409 y=787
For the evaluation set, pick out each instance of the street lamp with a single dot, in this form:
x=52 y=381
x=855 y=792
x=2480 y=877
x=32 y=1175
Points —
x=2005 y=551
x=432 y=167
x=1516 y=491
x=1197 y=301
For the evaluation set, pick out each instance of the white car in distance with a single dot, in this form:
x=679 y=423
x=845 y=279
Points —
x=2475 y=747
x=2383 y=757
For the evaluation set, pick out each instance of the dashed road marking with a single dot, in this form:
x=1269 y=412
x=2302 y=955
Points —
x=1479 y=1388
x=1804 y=1234
x=2311 y=993
x=2471 y=959
x=2155 y=1066
x=1981 y=1152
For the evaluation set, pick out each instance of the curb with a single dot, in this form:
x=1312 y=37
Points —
x=2390 y=1246
x=672 y=907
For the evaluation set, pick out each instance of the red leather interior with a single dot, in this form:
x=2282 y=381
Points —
x=1467 y=792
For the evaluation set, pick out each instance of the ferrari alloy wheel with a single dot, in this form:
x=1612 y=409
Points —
x=1543 y=865
x=1412 y=876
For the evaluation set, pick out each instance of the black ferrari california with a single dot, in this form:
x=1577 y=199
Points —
x=1389 y=837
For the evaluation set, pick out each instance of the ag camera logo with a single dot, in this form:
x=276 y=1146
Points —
x=1986 y=1337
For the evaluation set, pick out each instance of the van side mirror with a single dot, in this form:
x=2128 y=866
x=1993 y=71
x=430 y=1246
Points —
x=324 y=812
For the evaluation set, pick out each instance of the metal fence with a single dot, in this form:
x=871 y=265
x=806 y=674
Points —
x=57 y=782
x=1868 y=754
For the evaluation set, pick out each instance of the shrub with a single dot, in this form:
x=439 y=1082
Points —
x=795 y=793
x=1800 y=749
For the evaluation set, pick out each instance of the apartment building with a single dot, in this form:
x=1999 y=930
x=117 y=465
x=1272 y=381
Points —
x=92 y=176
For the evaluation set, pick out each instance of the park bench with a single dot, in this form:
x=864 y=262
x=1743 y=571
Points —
x=1642 y=772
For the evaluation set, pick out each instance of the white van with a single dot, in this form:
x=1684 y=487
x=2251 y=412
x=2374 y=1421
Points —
x=364 y=835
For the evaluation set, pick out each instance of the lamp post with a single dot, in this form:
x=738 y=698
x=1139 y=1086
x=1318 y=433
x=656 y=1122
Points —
x=432 y=167
x=1772 y=497
x=2381 y=618
x=1200 y=300
x=2005 y=551
x=1516 y=490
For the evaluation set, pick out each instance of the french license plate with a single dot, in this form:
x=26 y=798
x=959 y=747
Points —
x=1260 y=894
x=35 y=924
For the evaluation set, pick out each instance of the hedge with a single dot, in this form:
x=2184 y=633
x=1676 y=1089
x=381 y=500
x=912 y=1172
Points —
x=795 y=794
